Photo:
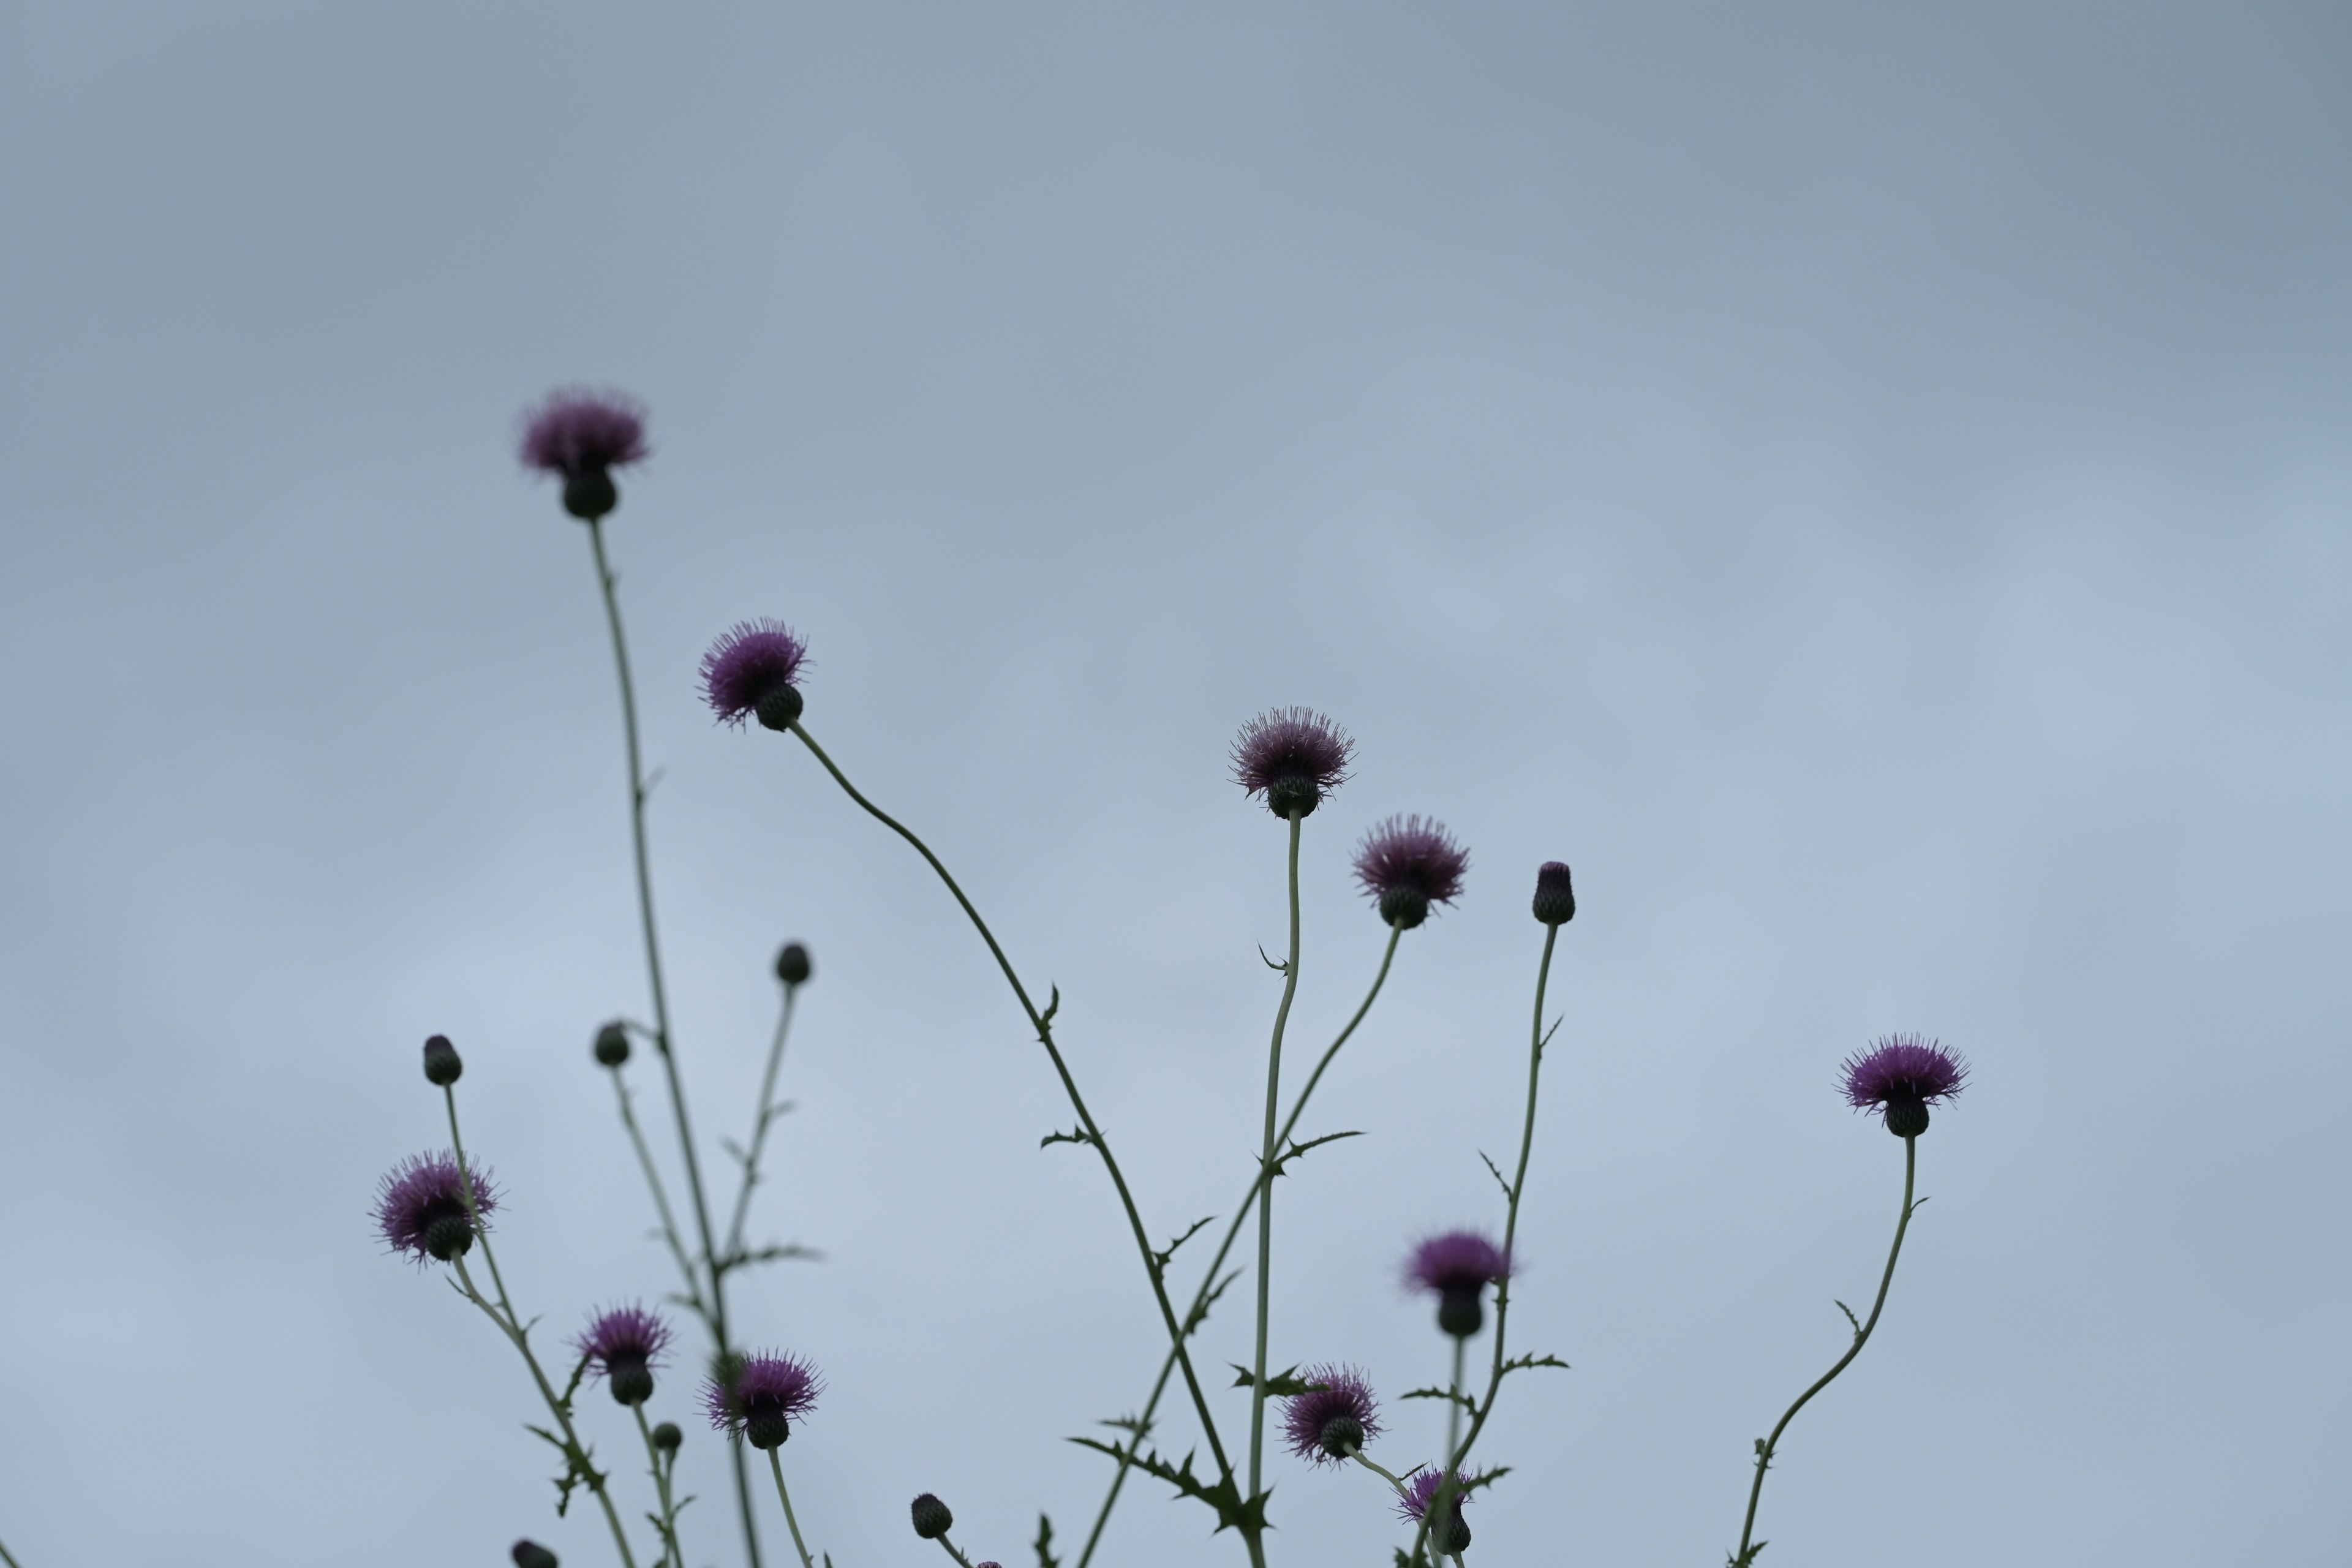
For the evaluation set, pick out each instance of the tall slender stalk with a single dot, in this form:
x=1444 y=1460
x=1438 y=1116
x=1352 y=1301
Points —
x=1233 y=1231
x=777 y=1465
x=1538 y=1039
x=1266 y=1184
x=519 y=1334
x=715 y=1307
x=662 y=1467
x=1090 y=1131
x=733 y=1256
x=1769 y=1446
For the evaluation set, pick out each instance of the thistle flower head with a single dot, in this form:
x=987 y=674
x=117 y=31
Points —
x=531 y=1554
x=1457 y=1266
x=754 y=671
x=757 y=1398
x=624 y=1345
x=420 y=1207
x=1407 y=864
x=1420 y=1492
x=1900 y=1077
x=582 y=437
x=1555 y=902
x=1328 y=1423
x=1292 y=756
x=933 y=1519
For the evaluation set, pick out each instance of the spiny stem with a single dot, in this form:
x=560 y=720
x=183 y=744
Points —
x=760 y=1129
x=1537 y=1040
x=716 y=1314
x=1860 y=1337
x=661 y=1198
x=1070 y=1088
x=1266 y=1184
x=777 y=1465
x=1233 y=1231
x=654 y=1457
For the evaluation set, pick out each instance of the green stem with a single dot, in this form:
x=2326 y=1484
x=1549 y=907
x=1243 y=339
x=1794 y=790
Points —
x=1093 y=1132
x=1385 y=1474
x=717 y=1311
x=661 y=1198
x=654 y=1457
x=949 y=1548
x=1765 y=1450
x=1537 y=1040
x=1233 y=1232
x=11 y=1562
x=1265 y=1186
x=734 y=1253
x=777 y=1465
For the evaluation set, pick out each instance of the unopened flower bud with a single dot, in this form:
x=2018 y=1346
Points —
x=666 y=1436
x=442 y=1065
x=531 y=1554
x=792 y=967
x=933 y=1519
x=611 y=1044
x=1555 y=894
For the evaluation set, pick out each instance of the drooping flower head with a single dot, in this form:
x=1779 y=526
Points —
x=757 y=1398
x=582 y=437
x=752 y=671
x=1900 y=1077
x=1457 y=1266
x=1420 y=1492
x=1292 y=756
x=1407 y=864
x=1332 y=1421
x=420 y=1207
x=1555 y=902
x=624 y=1345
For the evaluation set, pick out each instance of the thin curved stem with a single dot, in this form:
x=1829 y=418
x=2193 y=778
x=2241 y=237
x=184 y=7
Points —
x=1536 y=1040
x=1265 y=1186
x=1765 y=1449
x=715 y=1312
x=777 y=1465
x=1093 y=1132
x=950 y=1549
x=5 y=1558
x=768 y=1113
x=1380 y=1471
x=1233 y=1231
x=661 y=1198
x=676 y=1558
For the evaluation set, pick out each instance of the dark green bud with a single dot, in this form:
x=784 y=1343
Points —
x=531 y=1554
x=611 y=1044
x=1555 y=894
x=666 y=1436
x=933 y=1519
x=442 y=1065
x=792 y=967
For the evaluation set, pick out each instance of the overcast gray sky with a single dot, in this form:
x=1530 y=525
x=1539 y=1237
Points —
x=1865 y=484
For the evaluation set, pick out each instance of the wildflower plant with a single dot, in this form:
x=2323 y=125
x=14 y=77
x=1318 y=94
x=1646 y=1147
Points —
x=435 y=1207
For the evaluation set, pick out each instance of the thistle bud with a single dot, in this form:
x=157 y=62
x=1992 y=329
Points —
x=933 y=1519
x=531 y=1554
x=442 y=1065
x=611 y=1044
x=666 y=1436
x=792 y=967
x=1555 y=894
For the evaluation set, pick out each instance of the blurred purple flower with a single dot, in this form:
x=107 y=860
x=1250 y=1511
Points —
x=578 y=431
x=763 y=1397
x=624 y=1345
x=1420 y=1492
x=420 y=1207
x=752 y=670
x=1325 y=1423
x=1292 y=756
x=1457 y=1266
x=1407 y=864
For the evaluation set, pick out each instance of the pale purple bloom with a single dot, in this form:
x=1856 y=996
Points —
x=1407 y=864
x=1420 y=1492
x=420 y=1207
x=752 y=670
x=624 y=1344
x=577 y=431
x=1324 y=1423
x=1456 y=1268
x=765 y=1394
x=1292 y=756
x=1900 y=1077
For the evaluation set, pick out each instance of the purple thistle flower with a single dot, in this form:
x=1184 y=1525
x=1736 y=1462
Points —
x=760 y=1396
x=1407 y=864
x=582 y=436
x=1327 y=1424
x=1901 y=1076
x=751 y=672
x=1420 y=1492
x=622 y=1345
x=420 y=1207
x=1293 y=757
x=1457 y=1266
